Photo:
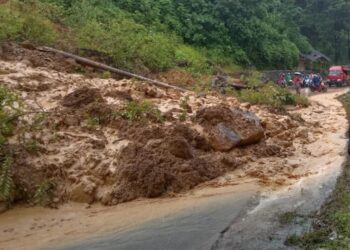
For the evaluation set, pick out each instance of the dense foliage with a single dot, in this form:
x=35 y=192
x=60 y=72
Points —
x=9 y=110
x=148 y=35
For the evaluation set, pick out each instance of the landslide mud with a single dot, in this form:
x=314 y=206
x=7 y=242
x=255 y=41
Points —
x=91 y=153
x=115 y=160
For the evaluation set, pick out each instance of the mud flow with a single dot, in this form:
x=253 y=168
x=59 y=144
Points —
x=181 y=145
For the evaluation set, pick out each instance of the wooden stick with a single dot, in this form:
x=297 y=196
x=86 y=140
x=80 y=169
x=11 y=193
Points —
x=94 y=64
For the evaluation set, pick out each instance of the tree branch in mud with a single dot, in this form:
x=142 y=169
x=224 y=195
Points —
x=98 y=65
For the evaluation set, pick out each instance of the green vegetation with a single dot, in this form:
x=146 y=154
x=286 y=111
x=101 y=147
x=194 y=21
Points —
x=23 y=21
x=43 y=193
x=334 y=232
x=92 y=122
x=135 y=111
x=9 y=111
x=271 y=95
x=6 y=181
x=197 y=35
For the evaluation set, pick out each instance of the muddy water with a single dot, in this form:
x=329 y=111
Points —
x=248 y=221
x=196 y=227
x=228 y=217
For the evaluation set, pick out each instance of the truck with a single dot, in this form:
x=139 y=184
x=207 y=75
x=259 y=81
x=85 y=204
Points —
x=338 y=76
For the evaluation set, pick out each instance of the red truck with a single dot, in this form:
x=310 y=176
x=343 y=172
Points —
x=338 y=76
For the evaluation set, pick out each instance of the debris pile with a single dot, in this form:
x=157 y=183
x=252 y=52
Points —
x=95 y=149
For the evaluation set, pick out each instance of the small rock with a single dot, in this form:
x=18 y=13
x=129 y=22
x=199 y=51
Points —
x=333 y=236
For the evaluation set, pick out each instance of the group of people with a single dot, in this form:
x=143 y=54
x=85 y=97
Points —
x=299 y=80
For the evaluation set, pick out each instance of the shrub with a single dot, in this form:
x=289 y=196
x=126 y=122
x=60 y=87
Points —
x=9 y=111
x=19 y=21
x=10 y=24
x=272 y=95
x=134 y=111
x=195 y=60
x=6 y=181
x=130 y=44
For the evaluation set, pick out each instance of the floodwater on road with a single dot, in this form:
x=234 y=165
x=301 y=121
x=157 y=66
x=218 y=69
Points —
x=248 y=220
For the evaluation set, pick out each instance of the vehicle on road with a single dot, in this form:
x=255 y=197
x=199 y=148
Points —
x=321 y=88
x=307 y=81
x=338 y=76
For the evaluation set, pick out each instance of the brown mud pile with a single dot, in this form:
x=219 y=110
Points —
x=91 y=153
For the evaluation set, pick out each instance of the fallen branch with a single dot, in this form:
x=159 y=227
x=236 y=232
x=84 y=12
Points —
x=98 y=65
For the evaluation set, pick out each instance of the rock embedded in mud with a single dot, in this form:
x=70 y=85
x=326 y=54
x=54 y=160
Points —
x=180 y=148
x=228 y=128
x=81 y=97
x=247 y=125
x=223 y=139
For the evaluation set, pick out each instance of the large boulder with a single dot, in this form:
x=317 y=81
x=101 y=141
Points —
x=222 y=138
x=247 y=125
x=227 y=128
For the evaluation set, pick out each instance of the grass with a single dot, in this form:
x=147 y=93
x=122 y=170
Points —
x=136 y=111
x=334 y=218
x=270 y=95
x=92 y=122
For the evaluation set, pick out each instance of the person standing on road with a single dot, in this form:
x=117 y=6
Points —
x=317 y=81
x=288 y=78
x=297 y=83
x=281 y=81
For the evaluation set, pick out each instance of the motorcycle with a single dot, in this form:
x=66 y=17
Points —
x=306 y=83
x=320 y=88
